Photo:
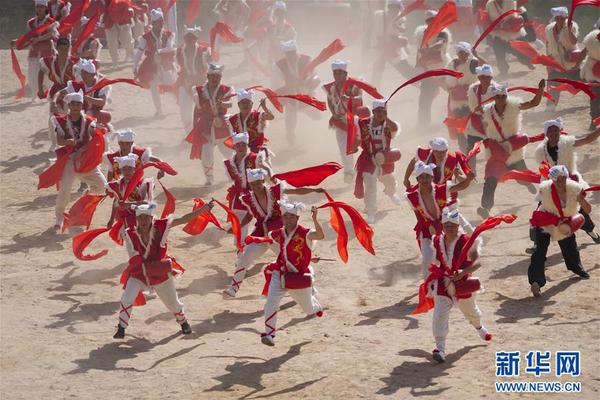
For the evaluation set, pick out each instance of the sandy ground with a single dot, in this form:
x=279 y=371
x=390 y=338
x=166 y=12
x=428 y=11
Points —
x=59 y=314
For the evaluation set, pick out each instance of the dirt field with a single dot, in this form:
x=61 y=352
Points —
x=59 y=314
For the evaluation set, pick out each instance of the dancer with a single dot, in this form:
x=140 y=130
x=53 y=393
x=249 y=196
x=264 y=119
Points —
x=478 y=93
x=590 y=69
x=253 y=122
x=125 y=139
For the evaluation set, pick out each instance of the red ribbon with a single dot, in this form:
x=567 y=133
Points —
x=415 y=5
x=310 y=176
x=139 y=174
x=530 y=52
x=427 y=74
x=106 y=82
x=17 y=70
x=331 y=49
x=68 y=22
x=257 y=239
x=86 y=32
x=225 y=32
x=271 y=95
x=92 y=157
x=82 y=211
x=192 y=12
x=577 y=3
x=23 y=40
x=368 y=88
x=351 y=128
x=362 y=230
x=169 y=207
x=236 y=227
x=198 y=224
x=51 y=176
x=493 y=25
x=577 y=86
x=306 y=99
x=83 y=240
x=446 y=16
x=337 y=223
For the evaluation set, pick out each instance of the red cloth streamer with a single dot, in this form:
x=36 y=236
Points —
x=521 y=176
x=169 y=207
x=170 y=5
x=597 y=121
x=362 y=230
x=337 y=223
x=236 y=227
x=82 y=211
x=106 y=82
x=306 y=99
x=225 y=32
x=493 y=25
x=530 y=52
x=446 y=16
x=332 y=48
x=370 y=89
x=531 y=89
x=83 y=240
x=428 y=74
x=51 y=176
x=577 y=3
x=92 y=157
x=592 y=189
x=163 y=166
x=540 y=29
x=17 y=70
x=68 y=22
x=351 y=128
x=543 y=218
x=415 y=5
x=577 y=85
x=458 y=124
x=198 y=224
x=257 y=239
x=139 y=174
x=271 y=95
x=310 y=176
x=86 y=32
x=23 y=40
x=192 y=12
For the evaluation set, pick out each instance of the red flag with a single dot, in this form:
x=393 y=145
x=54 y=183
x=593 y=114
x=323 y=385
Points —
x=225 y=32
x=351 y=128
x=23 y=40
x=257 y=239
x=82 y=211
x=106 y=82
x=306 y=99
x=415 y=5
x=310 y=176
x=362 y=230
x=92 y=157
x=446 y=16
x=83 y=240
x=493 y=25
x=51 y=176
x=530 y=52
x=163 y=166
x=577 y=85
x=135 y=179
x=271 y=95
x=548 y=62
x=68 y=22
x=427 y=74
x=198 y=224
x=521 y=176
x=577 y=3
x=337 y=223
x=332 y=48
x=169 y=207
x=458 y=124
x=192 y=12
x=86 y=32
x=17 y=70
x=370 y=89
x=236 y=227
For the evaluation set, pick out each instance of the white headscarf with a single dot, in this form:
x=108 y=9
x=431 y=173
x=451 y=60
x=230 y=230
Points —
x=484 y=70
x=127 y=161
x=245 y=95
x=450 y=215
x=75 y=96
x=87 y=66
x=156 y=15
x=438 y=144
x=500 y=89
x=339 y=65
x=377 y=103
x=125 y=135
x=463 y=46
x=241 y=137
x=558 y=171
x=144 y=209
x=291 y=207
x=558 y=122
x=559 y=12
x=256 y=174
x=422 y=168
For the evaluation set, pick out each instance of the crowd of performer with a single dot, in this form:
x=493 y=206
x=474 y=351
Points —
x=63 y=40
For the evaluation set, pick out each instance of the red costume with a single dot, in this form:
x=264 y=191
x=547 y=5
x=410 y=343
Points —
x=427 y=224
x=58 y=75
x=142 y=153
x=237 y=173
x=444 y=170
x=141 y=193
x=269 y=219
x=253 y=125
x=44 y=48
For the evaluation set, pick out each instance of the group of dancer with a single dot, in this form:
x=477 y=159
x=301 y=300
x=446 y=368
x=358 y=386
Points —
x=482 y=113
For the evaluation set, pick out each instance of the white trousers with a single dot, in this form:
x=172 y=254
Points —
x=427 y=255
x=306 y=298
x=246 y=258
x=33 y=69
x=162 y=77
x=370 y=181
x=441 y=315
x=186 y=108
x=166 y=292
x=137 y=30
x=95 y=179
x=347 y=159
x=208 y=157
x=119 y=34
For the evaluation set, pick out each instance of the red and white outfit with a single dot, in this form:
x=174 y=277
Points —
x=477 y=96
x=39 y=50
x=291 y=273
x=444 y=169
x=337 y=121
x=140 y=19
x=143 y=153
x=429 y=223
x=254 y=124
x=458 y=89
x=210 y=128
x=267 y=220
x=590 y=68
x=150 y=266
x=154 y=62
x=193 y=65
x=103 y=117
x=511 y=28
x=559 y=46
x=81 y=131
x=118 y=21
x=564 y=209
x=566 y=156
x=59 y=9
x=373 y=141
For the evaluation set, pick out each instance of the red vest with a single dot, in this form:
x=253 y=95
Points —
x=448 y=165
x=117 y=189
x=439 y=255
x=139 y=151
x=44 y=48
x=372 y=145
x=80 y=85
x=239 y=178
x=268 y=220
x=192 y=72
x=334 y=96
x=59 y=76
x=294 y=253
x=204 y=114
x=117 y=13
x=252 y=126
x=424 y=220
x=82 y=137
x=167 y=60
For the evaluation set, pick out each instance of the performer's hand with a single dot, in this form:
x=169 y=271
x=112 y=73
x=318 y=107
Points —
x=160 y=174
x=458 y=276
x=41 y=93
x=13 y=43
x=320 y=190
x=70 y=142
x=407 y=184
x=109 y=224
x=313 y=212
x=315 y=260
x=542 y=84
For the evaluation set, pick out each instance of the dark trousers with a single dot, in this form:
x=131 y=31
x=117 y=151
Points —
x=588 y=225
x=429 y=89
x=466 y=143
x=501 y=49
x=595 y=103
x=568 y=248
x=574 y=75
x=490 y=184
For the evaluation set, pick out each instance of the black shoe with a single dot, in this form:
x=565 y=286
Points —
x=186 y=329
x=582 y=273
x=120 y=333
x=483 y=212
x=530 y=250
x=595 y=237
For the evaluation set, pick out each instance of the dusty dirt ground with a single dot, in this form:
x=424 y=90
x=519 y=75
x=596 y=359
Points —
x=59 y=314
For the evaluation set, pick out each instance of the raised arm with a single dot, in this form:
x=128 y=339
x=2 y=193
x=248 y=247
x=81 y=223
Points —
x=585 y=205
x=190 y=216
x=463 y=184
x=318 y=233
x=301 y=191
x=537 y=98
x=409 y=170
x=589 y=138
